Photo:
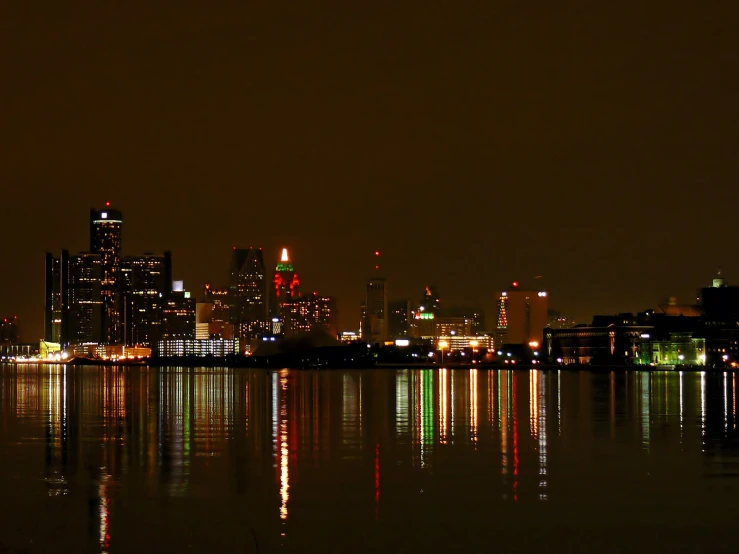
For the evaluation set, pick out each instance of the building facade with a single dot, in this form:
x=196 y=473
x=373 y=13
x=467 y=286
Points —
x=248 y=292
x=522 y=315
x=375 y=324
x=83 y=308
x=106 y=232
x=146 y=283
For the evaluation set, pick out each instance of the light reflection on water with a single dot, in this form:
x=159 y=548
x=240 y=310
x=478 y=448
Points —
x=120 y=460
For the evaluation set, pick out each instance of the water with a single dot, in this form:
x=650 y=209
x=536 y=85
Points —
x=219 y=460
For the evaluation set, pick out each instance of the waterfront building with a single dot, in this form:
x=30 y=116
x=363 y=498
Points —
x=585 y=344
x=522 y=315
x=106 y=229
x=247 y=290
x=217 y=348
x=464 y=342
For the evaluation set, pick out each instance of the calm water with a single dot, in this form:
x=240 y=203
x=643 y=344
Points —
x=219 y=460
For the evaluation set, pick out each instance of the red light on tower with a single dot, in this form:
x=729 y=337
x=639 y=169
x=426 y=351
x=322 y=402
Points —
x=107 y=204
x=377 y=253
x=514 y=284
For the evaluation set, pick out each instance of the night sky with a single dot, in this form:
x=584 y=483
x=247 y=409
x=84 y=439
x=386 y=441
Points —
x=473 y=143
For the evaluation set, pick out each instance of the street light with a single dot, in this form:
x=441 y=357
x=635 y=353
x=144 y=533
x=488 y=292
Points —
x=474 y=344
x=442 y=345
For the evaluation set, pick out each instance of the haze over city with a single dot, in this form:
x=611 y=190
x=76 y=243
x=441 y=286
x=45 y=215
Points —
x=471 y=144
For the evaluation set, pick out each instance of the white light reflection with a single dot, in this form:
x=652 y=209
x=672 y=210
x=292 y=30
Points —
x=473 y=405
x=559 y=402
x=284 y=460
x=726 y=402
x=703 y=405
x=681 y=406
x=542 y=429
x=402 y=419
x=104 y=513
x=443 y=405
x=534 y=404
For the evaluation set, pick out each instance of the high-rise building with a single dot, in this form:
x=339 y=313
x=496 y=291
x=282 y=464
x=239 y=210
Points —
x=285 y=283
x=82 y=299
x=375 y=325
x=53 y=299
x=431 y=301
x=522 y=315
x=179 y=316
x=248 y=292
x=146 y=282
x=306 y=313
x=106 y=227
x=399 y=318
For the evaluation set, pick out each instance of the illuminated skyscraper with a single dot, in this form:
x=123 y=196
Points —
x=53 y=299
x=106 y=226
x=82 y=298
x=522 y=315
x=146 y=282
x=303 y=314
x=285 y=283
x=248 y=291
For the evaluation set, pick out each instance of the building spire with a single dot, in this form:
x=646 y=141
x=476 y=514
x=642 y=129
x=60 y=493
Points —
x=285 y=257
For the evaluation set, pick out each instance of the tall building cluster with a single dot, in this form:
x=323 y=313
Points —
x=102 y=298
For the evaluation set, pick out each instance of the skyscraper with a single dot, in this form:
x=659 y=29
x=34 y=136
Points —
x=375 y=322
x=248 y=291
x=146 y=283
x=53 y=299
x=106 y=226
x=375 y=327
x=82 y=300
x=522 y=315
x=285 y=283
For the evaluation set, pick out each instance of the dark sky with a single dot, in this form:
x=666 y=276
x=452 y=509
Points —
x=593 y=143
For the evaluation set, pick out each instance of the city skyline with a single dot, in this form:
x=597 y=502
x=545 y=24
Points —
x=489 y=302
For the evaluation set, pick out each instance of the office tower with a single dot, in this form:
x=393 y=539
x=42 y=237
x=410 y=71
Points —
x=179 y=316
x=82 y=298
x=375 y=327
x=146 y=282
x=399 y=318
x=248 y=292
x=522 y=315
x=430 y=302
x=285 y=283
x=9 y=333
x=53 y=299
x=306 y=313
x=106 y=227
